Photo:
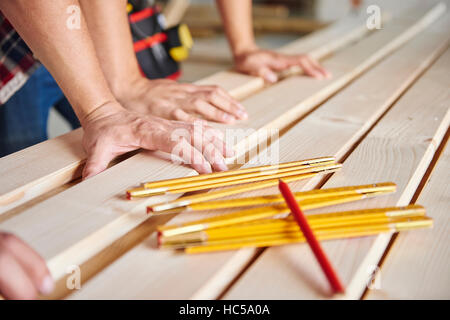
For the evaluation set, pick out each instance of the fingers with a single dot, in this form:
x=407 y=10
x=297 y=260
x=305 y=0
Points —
x=174 y=140
x=217 y=140
x=23 y=273
x=98 y=160
x=222 y=100
x=180 y=115
x=312 y=68
x=212 y=113
x=191 y=156
x=14 y=282
x=33 y=264
x=196 y=144
x=267 y=74
x=209 y=150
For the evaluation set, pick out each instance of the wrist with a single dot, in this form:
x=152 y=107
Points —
x=105 y=109
x=244 y=49
x=122 y=89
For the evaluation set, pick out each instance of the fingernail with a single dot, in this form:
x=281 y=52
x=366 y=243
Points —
x=228 y=118
x=207 y=168
x=240 y=105
x=222 y=166
x=272 y=77
x=242 y=114
x=318 y=76
x=47 y=286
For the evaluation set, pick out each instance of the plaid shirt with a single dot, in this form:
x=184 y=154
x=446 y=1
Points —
x=16 y=61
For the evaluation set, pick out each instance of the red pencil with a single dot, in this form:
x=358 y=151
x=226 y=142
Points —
x=312 y=240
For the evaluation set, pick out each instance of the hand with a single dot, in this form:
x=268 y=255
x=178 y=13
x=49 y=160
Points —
x=111 y=130
x=23 y=273
x=184 y=102
x=266 y=64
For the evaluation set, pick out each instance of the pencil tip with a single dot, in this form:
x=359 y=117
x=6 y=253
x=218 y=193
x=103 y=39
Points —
x=128 y=195
x=149 y=210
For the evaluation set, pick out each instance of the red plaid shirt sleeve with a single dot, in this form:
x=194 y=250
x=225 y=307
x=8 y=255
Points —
x=16 y=61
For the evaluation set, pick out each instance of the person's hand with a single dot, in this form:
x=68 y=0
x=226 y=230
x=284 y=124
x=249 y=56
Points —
x=111 y=130
x=266 y=64
x=23 y=273
x=183 y=102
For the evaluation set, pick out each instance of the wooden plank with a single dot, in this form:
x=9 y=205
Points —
x=205 y=276
x=416 y=266
x=36 y=170
x=345 y=65
x=258 y=10
x=398 y=149
x=59 y=160
x=174 y=11
x=260 y=24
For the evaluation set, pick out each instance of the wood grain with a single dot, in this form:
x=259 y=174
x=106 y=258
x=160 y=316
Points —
x=416 y=266
x=398 y=149
x=342 y=117
x=36 y=170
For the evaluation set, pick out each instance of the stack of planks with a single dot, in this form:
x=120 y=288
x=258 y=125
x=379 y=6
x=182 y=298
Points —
x=384 y=115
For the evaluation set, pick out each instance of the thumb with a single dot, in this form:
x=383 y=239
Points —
x=97 y=162
x=268 y=75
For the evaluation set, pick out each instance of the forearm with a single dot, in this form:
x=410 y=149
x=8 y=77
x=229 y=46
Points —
x=68 y=53
x=237 y=20
x=110 y=31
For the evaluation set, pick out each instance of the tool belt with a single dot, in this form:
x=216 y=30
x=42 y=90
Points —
x=158 y=50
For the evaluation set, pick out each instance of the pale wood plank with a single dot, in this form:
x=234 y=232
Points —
x=148 y=273
x=416 y=266
x=174 y=11
x=398 y=149
x=36 y=170
x=59 y=160
x=345 y=66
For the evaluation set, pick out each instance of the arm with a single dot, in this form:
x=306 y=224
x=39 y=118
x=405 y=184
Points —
x=237 y=19
x=43 y=26
x=109 y=129
x=113 y=42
